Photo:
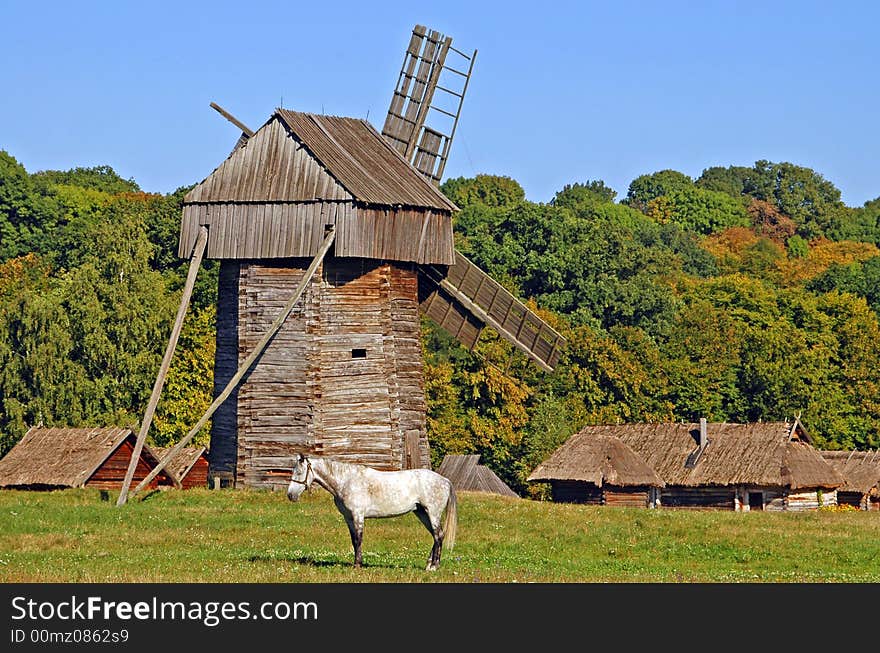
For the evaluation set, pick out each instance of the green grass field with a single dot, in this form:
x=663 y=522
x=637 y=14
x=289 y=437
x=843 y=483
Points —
x=238 y=536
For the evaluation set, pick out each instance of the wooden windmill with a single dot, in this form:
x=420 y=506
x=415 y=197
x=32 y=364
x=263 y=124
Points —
x=333 y=239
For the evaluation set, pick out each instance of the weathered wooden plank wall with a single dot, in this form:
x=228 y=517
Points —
x=197 y=476
x=636 y=497
x=576 y=492
x=810 y=499
x=111 y=473
x=343 y=377
x=698 y=497
x=224 y=424
x=275 y=400
x=296 y=229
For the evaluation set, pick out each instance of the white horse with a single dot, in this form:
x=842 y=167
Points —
x=361 y=492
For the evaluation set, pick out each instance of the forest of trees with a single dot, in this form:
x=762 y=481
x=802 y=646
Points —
x=748 y=293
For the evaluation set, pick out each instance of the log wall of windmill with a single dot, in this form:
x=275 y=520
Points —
x=343 y=377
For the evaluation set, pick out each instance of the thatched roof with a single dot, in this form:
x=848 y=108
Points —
x=599 y=459
x=183 y=462
x=62 y=457
x=758 y=453
x=860 y=469
x=466 y=473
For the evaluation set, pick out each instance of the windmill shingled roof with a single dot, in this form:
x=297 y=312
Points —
x=351 y=150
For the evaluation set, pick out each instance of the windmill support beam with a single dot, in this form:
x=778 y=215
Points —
x=194 y=264
x=487 y=319
x=247 y=131
x=249 y=361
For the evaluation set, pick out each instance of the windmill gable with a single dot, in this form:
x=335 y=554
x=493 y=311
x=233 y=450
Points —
x=275 y=195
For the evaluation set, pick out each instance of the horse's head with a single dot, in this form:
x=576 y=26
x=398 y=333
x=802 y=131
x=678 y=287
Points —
x=301 y=479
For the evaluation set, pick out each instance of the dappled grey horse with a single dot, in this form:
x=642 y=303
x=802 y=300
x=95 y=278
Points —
x=360 y=492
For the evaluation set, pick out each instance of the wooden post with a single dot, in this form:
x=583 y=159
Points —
x=247 y=131
x=194 y=263
x=245 y=366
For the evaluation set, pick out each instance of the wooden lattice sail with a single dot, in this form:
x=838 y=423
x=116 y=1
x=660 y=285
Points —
x=460 y=298
x=427 y=100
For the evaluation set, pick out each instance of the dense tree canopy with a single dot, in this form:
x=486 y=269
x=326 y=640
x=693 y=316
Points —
x=749 y=293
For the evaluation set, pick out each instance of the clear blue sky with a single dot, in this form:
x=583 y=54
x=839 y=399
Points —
x=562 y=92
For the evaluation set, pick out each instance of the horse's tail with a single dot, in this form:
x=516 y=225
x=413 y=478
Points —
x=450 y=522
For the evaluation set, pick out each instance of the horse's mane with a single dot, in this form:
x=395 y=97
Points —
x=335 y=464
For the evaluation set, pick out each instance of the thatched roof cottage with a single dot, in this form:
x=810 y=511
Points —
x=755 y=466
x=55 y=458
x=599 y=469
x=861 y=474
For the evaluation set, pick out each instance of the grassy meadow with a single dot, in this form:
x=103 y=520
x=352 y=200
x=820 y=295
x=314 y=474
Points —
x=238 y=536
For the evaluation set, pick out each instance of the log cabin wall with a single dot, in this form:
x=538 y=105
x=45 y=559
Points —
x=809 y=499
x=607 y=495
x=276 y=398
x=634 y=497
x=343 y=377
x=111 y=473
x=705 y=497
x=576 y=492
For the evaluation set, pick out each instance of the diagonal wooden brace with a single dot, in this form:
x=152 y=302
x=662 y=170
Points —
x=246 y=364
x=195 y=262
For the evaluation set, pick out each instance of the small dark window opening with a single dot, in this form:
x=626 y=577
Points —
x=756 y=500
x=358 y=353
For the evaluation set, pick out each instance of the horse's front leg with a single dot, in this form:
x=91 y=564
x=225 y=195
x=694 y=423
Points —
x=356 y=528
x=355 y=525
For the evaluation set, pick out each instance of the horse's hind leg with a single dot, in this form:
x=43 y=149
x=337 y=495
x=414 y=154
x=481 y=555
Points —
x=436 y=532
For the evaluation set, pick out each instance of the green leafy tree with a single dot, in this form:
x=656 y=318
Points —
x=861 y=224
x=188 y=390
x=488 y=190
x=39 y=380
x=27 y=210
x=100 y=178
x=645 y=188
x=698 y=210
x=732 y=180
x=574 y=195
x=857 y=278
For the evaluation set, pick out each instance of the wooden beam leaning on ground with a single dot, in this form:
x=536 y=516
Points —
x=246 y=364
x=194 y=264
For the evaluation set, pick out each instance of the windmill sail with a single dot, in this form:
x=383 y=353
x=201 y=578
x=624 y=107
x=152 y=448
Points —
x=466 y=299
x=421 y=123
x=462 y=298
